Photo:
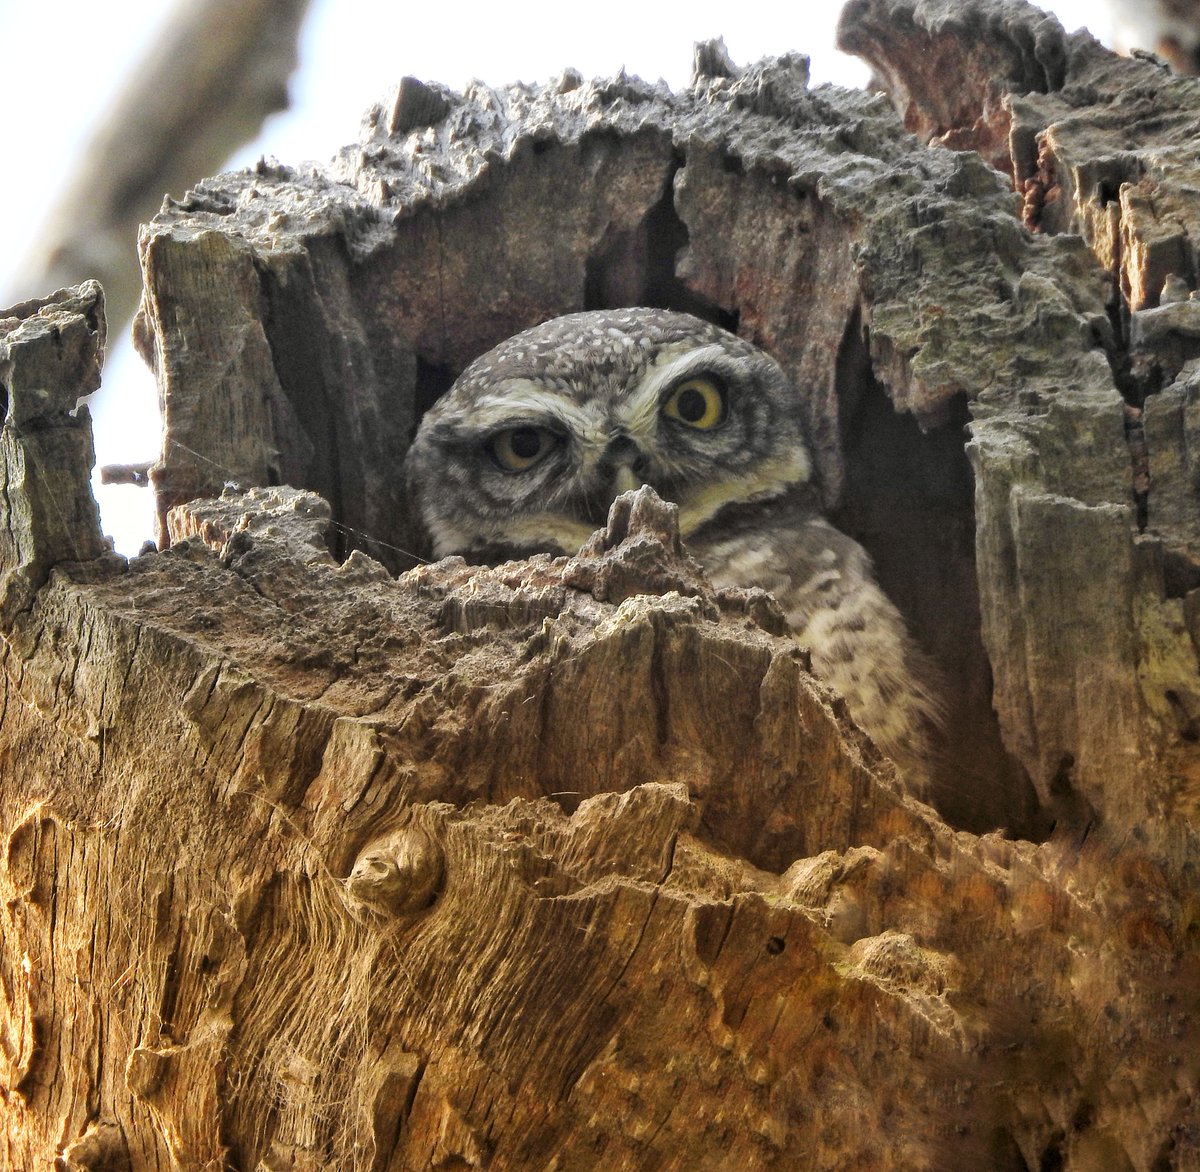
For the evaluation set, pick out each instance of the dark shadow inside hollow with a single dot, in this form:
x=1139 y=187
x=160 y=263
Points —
x=304 y=421
x=432 y=382
x=639 y=267
x=908 y=497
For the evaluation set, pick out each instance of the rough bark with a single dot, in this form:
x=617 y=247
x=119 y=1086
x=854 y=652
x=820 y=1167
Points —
x=1096 y=667
x=570 y=863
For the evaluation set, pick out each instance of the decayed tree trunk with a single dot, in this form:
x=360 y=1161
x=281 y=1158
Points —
x=571 y=863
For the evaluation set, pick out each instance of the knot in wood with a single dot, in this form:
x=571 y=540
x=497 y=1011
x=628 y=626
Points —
x=102 y=1145
x=399 y=874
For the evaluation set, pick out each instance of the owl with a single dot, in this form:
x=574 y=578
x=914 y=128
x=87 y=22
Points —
x=529 y=447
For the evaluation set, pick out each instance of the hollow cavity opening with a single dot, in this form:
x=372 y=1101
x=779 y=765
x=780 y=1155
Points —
x=908 y=498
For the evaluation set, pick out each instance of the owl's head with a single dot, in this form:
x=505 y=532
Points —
x=527 y=450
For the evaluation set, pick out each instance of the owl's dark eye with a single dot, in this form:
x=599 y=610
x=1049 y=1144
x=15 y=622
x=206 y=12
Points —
x=697 y=402
x=520 y=448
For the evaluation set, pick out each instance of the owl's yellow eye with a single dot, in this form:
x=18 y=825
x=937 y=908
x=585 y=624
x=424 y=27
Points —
x=520 y=448
x=698 y=402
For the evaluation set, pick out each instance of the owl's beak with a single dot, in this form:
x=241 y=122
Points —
x=621 y=457
x=625 y=480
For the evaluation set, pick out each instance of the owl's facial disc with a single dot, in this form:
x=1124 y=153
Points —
x=723 y=429
x=528 y=450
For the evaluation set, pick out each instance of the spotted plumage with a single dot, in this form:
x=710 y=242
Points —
x=527 y=450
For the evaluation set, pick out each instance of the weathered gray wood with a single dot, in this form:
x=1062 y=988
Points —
x=51 y=351
x=1073 y=486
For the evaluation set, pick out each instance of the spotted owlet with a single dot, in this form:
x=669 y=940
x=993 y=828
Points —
x=528 y=449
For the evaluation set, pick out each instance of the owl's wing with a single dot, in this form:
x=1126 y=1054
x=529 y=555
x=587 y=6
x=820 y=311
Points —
x=856 y=637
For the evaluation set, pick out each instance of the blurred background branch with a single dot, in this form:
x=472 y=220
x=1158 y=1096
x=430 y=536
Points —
x=212 y=77
x=1170 y=28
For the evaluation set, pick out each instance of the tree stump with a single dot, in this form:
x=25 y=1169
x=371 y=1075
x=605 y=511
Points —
x=318 y=856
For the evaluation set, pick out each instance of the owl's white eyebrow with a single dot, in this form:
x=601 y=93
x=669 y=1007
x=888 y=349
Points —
x=641 y=408
x=522 y=400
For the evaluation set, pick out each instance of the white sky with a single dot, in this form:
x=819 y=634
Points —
x=62 y=62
